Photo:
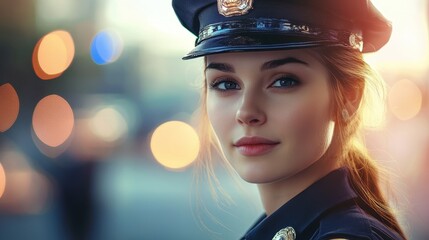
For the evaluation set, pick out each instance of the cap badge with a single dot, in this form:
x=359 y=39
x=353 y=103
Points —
x=356 y=41
x=229 y=8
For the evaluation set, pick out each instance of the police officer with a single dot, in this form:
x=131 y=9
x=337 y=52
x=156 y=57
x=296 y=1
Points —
x=344 y=203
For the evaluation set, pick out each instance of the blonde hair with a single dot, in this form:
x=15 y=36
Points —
x=350 y=75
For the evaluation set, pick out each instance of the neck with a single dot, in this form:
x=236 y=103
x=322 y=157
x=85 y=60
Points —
x=276 y=194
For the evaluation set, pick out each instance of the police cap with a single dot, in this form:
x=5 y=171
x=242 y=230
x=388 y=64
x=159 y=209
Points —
x=255 y=25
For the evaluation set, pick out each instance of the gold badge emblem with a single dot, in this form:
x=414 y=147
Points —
x=230 y=8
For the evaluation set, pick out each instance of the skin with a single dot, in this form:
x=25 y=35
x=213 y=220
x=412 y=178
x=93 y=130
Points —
x=287 y=102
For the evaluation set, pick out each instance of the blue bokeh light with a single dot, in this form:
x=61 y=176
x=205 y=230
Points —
x=106 y=47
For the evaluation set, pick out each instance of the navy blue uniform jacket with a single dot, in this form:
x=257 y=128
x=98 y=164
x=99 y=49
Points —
x=325 y=210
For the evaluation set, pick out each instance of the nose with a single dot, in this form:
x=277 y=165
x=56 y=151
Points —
x=251 y=110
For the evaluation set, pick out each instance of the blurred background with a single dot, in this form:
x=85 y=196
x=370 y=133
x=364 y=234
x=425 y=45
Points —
x=89 y=89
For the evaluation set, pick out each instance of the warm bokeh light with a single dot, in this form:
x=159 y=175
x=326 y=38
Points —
x=106 y=47
x=108 y=124
x=53 y=54
x=9 y=106
x=51 y=152
x=53 y=120
x=2 y=180
x=408 y=47
x=405 y=99
x=175 y=144
x=87 y=146
x=26 y=190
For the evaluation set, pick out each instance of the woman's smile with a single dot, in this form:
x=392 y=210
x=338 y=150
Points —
x=254 y=146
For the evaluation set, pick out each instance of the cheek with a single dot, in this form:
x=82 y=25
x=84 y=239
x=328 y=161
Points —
x=220 y=114
x=313 y=113
x=309 y=121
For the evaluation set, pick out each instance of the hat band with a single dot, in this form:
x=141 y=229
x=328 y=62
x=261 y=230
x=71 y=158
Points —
x=280 y=26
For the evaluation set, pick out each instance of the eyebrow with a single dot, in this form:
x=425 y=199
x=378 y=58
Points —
x=279 y=62
x=224 y=67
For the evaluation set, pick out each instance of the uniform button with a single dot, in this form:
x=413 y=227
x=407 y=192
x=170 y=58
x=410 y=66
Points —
x=287 y=233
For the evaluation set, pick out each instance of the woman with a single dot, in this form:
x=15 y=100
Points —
x=285 y=89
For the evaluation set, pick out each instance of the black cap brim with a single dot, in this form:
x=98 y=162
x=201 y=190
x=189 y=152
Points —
x=255 y=42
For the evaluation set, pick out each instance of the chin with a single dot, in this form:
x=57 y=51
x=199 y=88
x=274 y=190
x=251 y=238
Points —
x=260 y=176
x=262 y=179
x=260 y=172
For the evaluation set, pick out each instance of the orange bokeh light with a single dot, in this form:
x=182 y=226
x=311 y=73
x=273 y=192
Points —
x=175 y=144
x=2 y=180
x=51 y=152
x=405 y=99
x=53 y=54
x=53 y=120
x=9 y=106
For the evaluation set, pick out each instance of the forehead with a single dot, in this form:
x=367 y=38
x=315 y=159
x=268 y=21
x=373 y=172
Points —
x=257 y=59
x=307 y=55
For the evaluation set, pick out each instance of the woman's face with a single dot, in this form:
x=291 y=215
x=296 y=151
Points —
x=271 y=111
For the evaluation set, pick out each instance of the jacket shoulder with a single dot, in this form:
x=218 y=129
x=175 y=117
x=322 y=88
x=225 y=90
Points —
x=353 y=223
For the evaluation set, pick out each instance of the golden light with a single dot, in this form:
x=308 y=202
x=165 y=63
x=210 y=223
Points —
x=175 y=144
x=53 y=54
x=408 y=47
x=53 y=120
x=2 y=180
x=9 y=106
x=108 y=124
x=405 y=99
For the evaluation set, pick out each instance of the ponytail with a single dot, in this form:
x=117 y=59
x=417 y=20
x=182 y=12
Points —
x=352 y=76
x=364 y=178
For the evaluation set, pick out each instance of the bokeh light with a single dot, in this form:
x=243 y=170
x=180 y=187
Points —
x=2 y=180
x=175 y=144
x=108 y=124
x=53 y=120
x=53 y=54
x=408 y=47
x=51 y=152
x=9 y=106
x=106 y=47
x=87 y=146
x=405 y=99
x=26 y=190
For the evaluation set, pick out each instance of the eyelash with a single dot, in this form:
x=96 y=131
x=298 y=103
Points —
x=296 y=81
x=215 y=84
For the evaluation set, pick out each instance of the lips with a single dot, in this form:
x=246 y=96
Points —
x=254 y=146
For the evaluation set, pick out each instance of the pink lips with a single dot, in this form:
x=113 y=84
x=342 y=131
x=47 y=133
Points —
x=254 y=146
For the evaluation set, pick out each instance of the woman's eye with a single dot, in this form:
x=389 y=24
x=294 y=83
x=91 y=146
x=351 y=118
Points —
x=225 y=85
x=285 y=82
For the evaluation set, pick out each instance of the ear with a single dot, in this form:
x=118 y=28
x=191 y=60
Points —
x=352 y=98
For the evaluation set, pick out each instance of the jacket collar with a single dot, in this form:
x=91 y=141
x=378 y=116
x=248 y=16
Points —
x=306 y=207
